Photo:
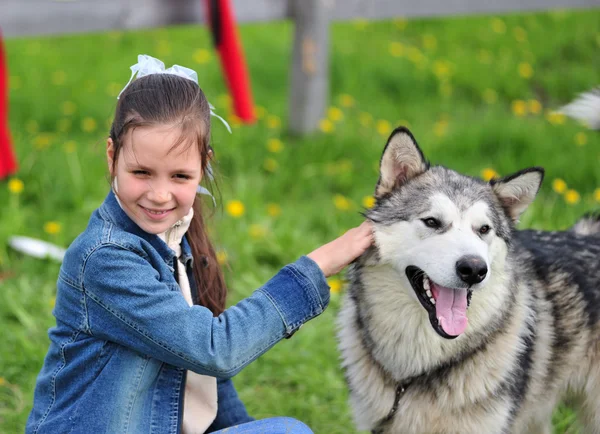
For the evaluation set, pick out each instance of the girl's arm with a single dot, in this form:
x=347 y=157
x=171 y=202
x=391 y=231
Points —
x=125 y=302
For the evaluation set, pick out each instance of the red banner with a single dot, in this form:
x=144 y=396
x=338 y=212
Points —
x=226 y=41
x=8 y=164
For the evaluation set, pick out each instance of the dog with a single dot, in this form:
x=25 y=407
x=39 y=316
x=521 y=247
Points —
x=456 y=322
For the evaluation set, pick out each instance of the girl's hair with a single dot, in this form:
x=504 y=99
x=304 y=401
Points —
x=160 y=99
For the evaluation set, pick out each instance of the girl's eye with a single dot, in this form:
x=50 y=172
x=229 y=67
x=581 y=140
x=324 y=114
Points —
x=484 y=229
x=430 y=222
x=181 y=176
x=140 y=172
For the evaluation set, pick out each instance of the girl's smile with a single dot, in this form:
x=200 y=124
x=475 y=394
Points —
x=155 y=177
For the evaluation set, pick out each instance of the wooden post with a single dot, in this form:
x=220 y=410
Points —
x=310 y=65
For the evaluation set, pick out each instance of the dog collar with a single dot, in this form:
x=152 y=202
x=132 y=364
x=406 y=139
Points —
x=400 y=390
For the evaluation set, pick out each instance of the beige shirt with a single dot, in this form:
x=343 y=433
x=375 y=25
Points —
x=200 y=405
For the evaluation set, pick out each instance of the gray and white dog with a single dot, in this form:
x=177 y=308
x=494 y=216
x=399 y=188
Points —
x=456 y=322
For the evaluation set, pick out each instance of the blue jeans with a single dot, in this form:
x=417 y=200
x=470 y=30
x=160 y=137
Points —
x=273 y=425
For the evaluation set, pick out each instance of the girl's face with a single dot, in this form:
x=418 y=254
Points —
x=156 y=183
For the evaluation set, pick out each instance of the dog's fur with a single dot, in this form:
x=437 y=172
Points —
x=533 y=333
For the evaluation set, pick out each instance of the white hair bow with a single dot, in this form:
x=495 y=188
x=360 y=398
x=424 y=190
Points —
x=147 y=65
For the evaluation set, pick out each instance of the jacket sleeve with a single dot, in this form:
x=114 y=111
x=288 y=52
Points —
x=125 y=302
x=231 y=411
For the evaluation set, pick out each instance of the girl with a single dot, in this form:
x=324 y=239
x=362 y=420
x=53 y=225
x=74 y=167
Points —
x=142 y=333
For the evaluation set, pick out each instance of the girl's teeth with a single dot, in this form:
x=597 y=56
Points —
x=428 y=292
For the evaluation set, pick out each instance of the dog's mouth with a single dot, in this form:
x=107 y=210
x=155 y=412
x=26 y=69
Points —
x=447 y=307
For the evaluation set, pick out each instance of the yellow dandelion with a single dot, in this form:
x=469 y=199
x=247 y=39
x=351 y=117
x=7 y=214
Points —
x=383 y=127
x=234 y=120
x=414 y=55
x=70 y=146
x=498 y=26
x=326 y=126
x=484 y=57
x=273 y=210
x=15 y=186
x=580 y=139
x=525 y=70
x=260 y=112
x=15 y=82
x=368 y=202
x=270 y=165
x=396 y=49
x=345 y=166
x=488 y=174
x=59 y=78
x=559 y=185
x=235 y=208
x=222 y=257
x=341 y=202
x=534 y=106
x=69 y=108
x=273 y=122
x=400 y=23
x=335 y=114
x=597 y=195
x=274 y=145
x=2 y=381
x=441 y=69
x=440 y=128
x=163 y=48
x=90 y=86
x=113 y=89
x=555 y=118
x=89 y=125
x=365 y=119
x=429 y=42
x=32 y=127
x=572 y=197
x=52 y=228
x=52 y=302
x=257 y=231
x=335 y=285
x=520 y=34
x=490 y=96
x=346 y=100
x=42 y=141
x=224 y=100
x=360 y=24
x=201 y=56
x=64 y=125
x=519 y=107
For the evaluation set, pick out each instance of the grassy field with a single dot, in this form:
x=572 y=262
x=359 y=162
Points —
x=477 y=92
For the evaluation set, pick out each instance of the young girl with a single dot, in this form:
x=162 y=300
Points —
x=143 y=342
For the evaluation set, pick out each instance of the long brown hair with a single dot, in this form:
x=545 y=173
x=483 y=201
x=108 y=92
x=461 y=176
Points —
x=160 y=99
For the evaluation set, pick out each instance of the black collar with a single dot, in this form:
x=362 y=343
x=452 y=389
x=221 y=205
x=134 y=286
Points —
x=400 y=390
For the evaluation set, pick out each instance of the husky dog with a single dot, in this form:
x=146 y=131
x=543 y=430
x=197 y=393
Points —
x=455 y=322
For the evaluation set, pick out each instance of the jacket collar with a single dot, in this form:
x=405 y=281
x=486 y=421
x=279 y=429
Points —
x=111 y=211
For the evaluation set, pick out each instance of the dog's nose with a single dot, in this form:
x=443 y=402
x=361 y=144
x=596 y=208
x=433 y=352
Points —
x=471 y=269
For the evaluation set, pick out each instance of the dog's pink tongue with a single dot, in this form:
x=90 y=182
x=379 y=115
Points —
x=451 y=309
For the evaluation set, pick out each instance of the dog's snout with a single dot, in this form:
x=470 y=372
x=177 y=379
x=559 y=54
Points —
x=471 y=269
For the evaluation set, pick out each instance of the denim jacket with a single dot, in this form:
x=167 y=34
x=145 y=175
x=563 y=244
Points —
x=125 y=336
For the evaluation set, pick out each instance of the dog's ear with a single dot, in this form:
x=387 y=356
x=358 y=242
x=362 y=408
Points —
x=401 y=161
x=518 y=190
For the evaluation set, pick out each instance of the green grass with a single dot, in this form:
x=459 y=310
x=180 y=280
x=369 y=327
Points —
x=438 y=86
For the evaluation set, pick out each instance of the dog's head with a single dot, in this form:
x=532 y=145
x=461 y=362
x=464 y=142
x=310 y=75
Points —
x=447 y=234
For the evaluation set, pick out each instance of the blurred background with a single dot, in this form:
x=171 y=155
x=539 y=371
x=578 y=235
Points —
x=320 y=85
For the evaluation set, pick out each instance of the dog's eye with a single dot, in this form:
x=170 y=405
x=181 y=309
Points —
x=432 y=223
x=484 y=229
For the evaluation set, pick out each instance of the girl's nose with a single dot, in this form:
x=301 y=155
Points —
x=159 y=193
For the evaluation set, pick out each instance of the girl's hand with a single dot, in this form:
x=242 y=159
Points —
x=337 y=254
